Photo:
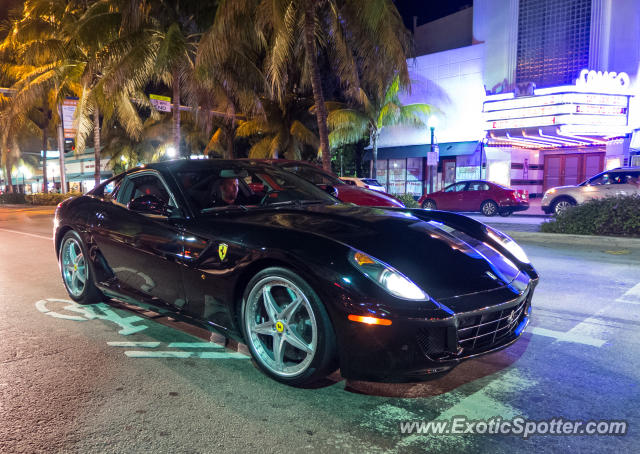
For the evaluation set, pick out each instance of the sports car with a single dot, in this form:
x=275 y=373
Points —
x=308 y=283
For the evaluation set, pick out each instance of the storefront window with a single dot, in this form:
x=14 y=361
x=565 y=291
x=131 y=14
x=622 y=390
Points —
x=414 y=176
x=381 y=172
x=397 y=176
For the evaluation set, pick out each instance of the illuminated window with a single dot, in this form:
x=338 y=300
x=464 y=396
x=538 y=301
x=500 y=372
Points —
x=553 y=41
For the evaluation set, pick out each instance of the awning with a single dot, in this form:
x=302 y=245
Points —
x=447 y=149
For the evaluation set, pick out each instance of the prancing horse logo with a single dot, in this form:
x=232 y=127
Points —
x=222 y=250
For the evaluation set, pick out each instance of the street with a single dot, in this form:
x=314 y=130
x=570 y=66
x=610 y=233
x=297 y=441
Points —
x=114 y=378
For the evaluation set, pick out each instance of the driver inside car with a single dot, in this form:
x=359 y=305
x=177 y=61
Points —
x=225 y=191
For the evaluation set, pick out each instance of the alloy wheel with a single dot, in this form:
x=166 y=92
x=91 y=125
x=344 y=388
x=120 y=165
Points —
x=281 y=326
x=489 y=208
x=562 y=206
x=429 y=205
x=74 y=267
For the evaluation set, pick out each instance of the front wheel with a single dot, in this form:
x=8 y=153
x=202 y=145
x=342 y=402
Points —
x=77 y=274
x=429 y=204
x=287 y=328
x=562 y=205
x=489 y=208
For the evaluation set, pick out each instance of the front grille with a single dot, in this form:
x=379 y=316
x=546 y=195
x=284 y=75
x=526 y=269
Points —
x=483 y=331
x=432 y=341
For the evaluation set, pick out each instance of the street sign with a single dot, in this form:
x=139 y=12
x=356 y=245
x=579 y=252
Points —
x=68 y=112
x=432 y=158
x=161 y=103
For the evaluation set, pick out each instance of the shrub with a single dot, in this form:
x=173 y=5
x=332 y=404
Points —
x=37 y=198
x=408 y=200
x=619 y=216
x=12 y=197
x=52 y=198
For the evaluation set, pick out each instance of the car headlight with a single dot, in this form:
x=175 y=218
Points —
x=508 y=244
x=393 y=281
x=551 y=191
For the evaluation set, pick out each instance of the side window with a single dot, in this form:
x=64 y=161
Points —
x=146 y=184
x=351 y=182
x=604 y=178
x=110 y=190
x=478 y=186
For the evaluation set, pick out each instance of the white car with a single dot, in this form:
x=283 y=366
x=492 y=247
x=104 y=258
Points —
x=620 y=181
x=367 y=183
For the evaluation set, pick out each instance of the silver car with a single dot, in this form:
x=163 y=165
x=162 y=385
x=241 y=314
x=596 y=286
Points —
x=620 y=181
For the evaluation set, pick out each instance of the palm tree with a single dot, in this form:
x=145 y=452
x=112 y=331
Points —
x=40 y=67
x=368 y=118
x=359 y=40
x=281 y=131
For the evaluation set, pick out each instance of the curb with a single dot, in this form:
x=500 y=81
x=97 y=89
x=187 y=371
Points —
x=610 y=242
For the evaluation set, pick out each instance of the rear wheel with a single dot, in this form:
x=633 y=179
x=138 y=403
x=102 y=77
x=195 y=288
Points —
x=287 y=328
x=561 y=205
x=77 y=274
x=429 y=204
x=489 y=208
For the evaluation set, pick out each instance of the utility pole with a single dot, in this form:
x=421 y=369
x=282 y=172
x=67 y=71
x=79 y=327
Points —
x=63 y=177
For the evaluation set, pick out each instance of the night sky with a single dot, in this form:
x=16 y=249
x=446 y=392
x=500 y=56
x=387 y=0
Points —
x=428 y=10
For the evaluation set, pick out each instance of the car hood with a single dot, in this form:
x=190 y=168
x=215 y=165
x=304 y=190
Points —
x=442 y=259
x=366 y=197
x=565 y=188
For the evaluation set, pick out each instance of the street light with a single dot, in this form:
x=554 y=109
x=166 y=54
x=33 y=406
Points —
x=432 y=123
x=171 y=152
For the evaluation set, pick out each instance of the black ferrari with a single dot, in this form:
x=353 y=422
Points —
x=308 y=283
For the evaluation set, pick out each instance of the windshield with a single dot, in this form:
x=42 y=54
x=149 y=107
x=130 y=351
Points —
x=313 y=174
x=244 y=187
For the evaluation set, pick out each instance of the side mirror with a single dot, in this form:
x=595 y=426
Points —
x=331 y=190
x=148 y=204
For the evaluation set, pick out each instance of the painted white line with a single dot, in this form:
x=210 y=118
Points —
x=148 y=354
x=28 y=234
x=201 y=355
x=568 y=336
x=193 y=345
x=632 y=296
x=135 y=344
x=42 y=307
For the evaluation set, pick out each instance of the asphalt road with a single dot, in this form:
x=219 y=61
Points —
x=112 y=379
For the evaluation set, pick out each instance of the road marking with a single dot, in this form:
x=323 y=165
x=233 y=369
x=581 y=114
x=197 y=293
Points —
x=193 y=345
x=28 y=234
x=135 y=344
x=568 y=336
x=632 y=296
x=42 y=307
x=182 y=355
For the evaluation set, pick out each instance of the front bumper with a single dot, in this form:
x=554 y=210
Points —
x=417 y=347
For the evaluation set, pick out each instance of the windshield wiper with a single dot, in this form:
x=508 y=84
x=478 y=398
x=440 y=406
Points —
x=296 y=202
x=224 y=208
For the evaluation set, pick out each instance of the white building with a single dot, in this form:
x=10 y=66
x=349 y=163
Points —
x=544 y=94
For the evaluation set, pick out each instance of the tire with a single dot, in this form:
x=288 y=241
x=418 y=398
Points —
x=429 y=204
x=560 y=205
x=74 y=267
x=506 y=213
x=489 y=208
x=293 y=325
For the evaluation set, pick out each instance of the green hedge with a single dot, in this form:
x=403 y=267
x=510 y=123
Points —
x=37 y=198
x=408 y=200
x=619 y=216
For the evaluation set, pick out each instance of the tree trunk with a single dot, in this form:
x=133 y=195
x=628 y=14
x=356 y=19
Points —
x=316 y=83
x=45 y=139
x=7 y=171
x=176 y=111
x=96 y=144
x=374 y=154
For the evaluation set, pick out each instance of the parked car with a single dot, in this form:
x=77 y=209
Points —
x=307 y=283
x=620 y=181
x=339 y=189
x=367 y=183
x=478 y=195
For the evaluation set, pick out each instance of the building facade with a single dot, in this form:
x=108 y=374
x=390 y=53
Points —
x=546 y=95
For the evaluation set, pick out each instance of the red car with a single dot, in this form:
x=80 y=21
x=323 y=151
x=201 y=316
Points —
x=483 y=196
x=344 y=192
